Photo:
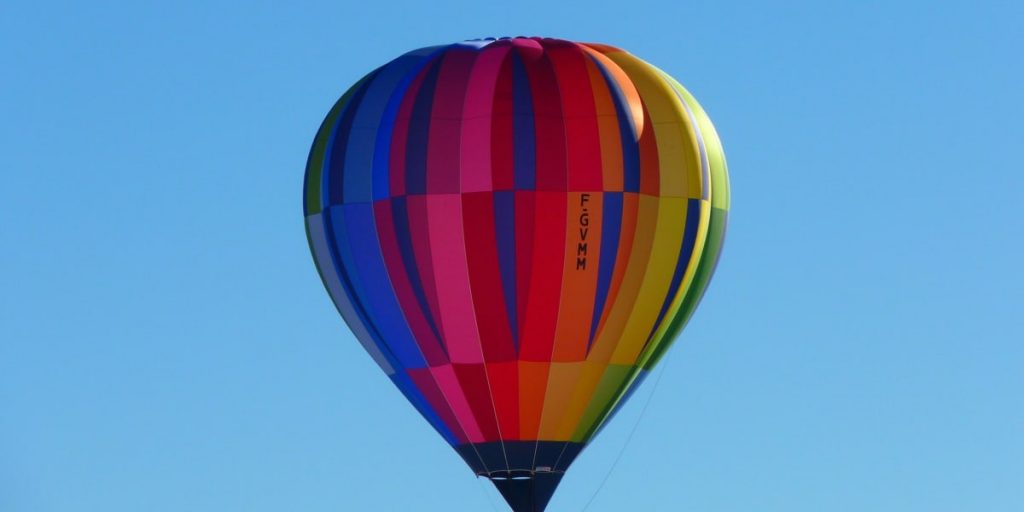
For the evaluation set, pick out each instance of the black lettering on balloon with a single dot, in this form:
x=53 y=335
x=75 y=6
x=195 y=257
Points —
x=581 y=245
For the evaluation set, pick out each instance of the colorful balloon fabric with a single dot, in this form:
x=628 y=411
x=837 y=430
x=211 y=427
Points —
x=516 y=230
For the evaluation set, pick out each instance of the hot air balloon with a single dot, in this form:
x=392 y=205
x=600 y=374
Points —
x=516 y=230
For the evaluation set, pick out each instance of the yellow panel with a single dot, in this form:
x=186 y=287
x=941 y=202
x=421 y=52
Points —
x=668 y=237
x=611 y=331
x=712 y=146
x=586 y=382
x=688 y=275
x=678 y=149
x=562 y=378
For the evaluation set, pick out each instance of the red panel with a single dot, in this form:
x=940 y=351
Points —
x=549 y=127
x=482 y=259
x=504 y=378
x=538 y=333
x=473 y=381
x=501 y=131
x=650 y=173
x=582 y=138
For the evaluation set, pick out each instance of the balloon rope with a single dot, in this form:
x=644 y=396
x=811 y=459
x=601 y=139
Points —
x=629 y=438
x=487 y=495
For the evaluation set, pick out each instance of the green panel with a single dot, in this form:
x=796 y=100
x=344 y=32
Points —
x=617 y=381
x=720 y=194
x=607 y=394
x=702 y=277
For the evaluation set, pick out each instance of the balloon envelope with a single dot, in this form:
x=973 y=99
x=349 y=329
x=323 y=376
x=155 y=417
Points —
x=516 y=230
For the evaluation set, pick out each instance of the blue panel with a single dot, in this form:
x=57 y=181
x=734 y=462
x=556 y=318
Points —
x=685 y=254
x=382 y=152
x=468 y=453
x=419 y=131
x=505 y=233
x=324 y=258
x=332 y=185
x=400 y=214
x=611 y=220
x=339 y=256
x=524 y=144
x=326 y=132
x=358 y=231
x=358 y=168
x=412 y=393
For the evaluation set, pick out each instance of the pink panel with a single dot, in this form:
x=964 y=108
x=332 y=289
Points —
x=427 y=386
x=528 y=49
x=476 y=125
x=429 y=345
x=451 y=277
x=419 y=235
x=443 y=166
x=452 y=391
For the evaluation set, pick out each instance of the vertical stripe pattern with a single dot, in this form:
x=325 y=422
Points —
x=516 y=230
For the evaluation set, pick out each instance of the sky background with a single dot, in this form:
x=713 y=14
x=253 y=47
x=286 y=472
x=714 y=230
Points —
x=166 y=344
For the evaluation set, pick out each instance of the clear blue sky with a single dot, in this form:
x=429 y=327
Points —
x=166 y=345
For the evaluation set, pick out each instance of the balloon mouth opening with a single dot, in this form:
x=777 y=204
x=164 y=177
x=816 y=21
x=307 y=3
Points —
x=526 y=490
x=516 y=474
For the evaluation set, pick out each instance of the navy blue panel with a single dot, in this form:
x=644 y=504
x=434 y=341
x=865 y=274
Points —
x=520 y=454
x=518 y=457
x=528 y=494
x=333 y=224
x=505 y=232
x=569 y=454
x=685 y=254
x=332 y=176
x=627 y=133
x=524 y=145
x=468 y=454
x=332 y=279
x=356 y=237
x=327 y=131
x=400 y=216
x=382 y=151
x=547 y=455
x=358 y=171
x=493 y=455
x=611 y=228
x=419 y=132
